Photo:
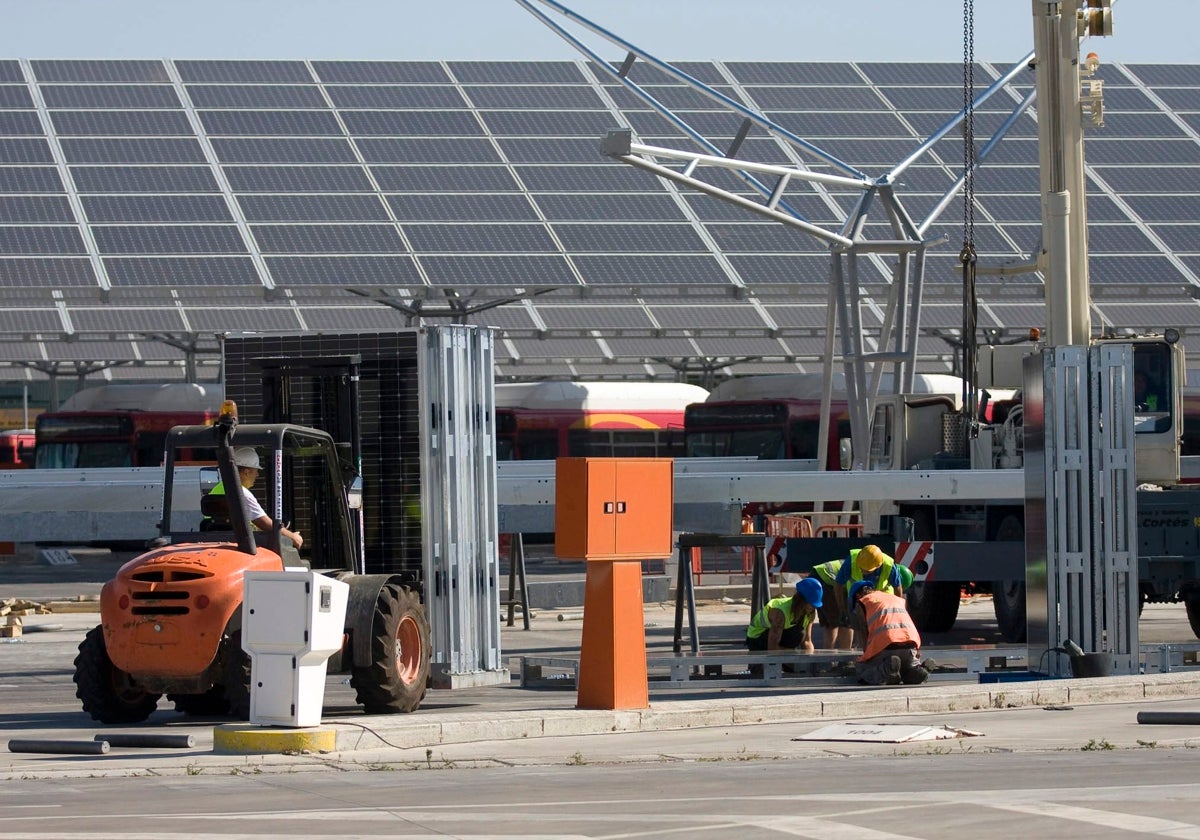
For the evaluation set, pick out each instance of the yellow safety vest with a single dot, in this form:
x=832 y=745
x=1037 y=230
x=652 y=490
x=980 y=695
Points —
x=761 y=623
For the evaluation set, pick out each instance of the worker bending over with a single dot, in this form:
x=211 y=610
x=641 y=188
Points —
x=786 y=623
x=892 y=652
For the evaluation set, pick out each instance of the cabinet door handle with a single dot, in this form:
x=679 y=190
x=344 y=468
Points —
x=608 y=507
x=620 y=507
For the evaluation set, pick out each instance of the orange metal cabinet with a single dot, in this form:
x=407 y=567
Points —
x=613 y=508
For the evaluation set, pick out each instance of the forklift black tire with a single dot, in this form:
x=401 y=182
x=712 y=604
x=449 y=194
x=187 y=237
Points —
x=237 y=677
x=211 y=703
x=933 y=605
x=396 y=679
x=109 y=695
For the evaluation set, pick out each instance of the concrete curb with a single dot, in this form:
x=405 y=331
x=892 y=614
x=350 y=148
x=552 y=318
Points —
x=413 y=732
x=245 y=739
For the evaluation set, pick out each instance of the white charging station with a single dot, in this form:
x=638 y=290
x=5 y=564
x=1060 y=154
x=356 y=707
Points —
x=292 y=622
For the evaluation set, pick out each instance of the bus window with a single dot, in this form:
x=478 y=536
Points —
x=805 y=439
x=538 y=445
x=148 y=448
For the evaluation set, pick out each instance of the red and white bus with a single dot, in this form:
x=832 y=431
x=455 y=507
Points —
x=121 y=425
x=16 y=449
x=547 y=420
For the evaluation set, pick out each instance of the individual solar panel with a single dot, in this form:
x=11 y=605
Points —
x=801 y=317
x=550 y=151
x=1167 y=74
x=256 y=96
x=804 y=269
x=761 y=237
x=312 y=208
x=883 y=152
x=411 y=123
x=121 y=123
x=272 y=123
x=1101 y=208
x=25 y=150
x=110 y=96
x=541 y=97
x=1177 y=99
x=711 y=345
x=729 y=316
x=1180 y=238
x=386 y=271
x=1118 y=239
x=794 y=73
x=30 y=321
x=1158 y=152
x=171 y=272
x=257 y=319
x=506 y=270
x=595 y=318
x=421 y=150
x=329 y=239
x=1126 y=99
x=41 y=272
x=629 y=238
x=283 y=150
x=924 y=179
x=675 y=97
x=264 y=72
x=33 y=241
x=381 y=72
x=609 y=207
x=352 y=318
x=136 y=319
x=516 y=72
x=35 y=209
x=10 y=71
x=158 y=179
x=590 y=124
x=651 y=270
x=15 y=96
x=466 y=207
x=29 y=179
x=662 y=347
x=1006 y=179
x=715 y=126
x=925 y=123
x=396 y=96
x=1151 y=179
x=20 y=123
x=920 y=73
x=444 y=178
x=596 y=178
x=276 y=179
x=132 y=150
x=102 y=209
x=856 y=99
x=1163 y=208
x=481 y=239
x=940 y=99
x=1121 y=125
x=1192 y=120
x=168 y=239
x=99 y=71
x=840 y=124
x=1133 y=271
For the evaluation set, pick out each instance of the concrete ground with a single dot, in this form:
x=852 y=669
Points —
x=508 y=723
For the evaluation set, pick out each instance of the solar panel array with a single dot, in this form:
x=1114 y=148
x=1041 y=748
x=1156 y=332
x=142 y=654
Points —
x=147 y=205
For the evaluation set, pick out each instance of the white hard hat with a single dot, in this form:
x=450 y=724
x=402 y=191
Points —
x=245 y=456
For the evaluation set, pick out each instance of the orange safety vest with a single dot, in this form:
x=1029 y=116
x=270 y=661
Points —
x=888 y=623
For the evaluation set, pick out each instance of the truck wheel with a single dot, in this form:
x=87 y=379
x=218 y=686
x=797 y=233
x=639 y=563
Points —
x=211 y=703
x=933 y=605
x=237 y=677
x=109 y=695
x=1008 y=596
x=1192 y=604
x=400 y=650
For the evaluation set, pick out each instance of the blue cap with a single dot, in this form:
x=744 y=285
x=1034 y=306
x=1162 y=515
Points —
x=856 y=588
x=811 y=590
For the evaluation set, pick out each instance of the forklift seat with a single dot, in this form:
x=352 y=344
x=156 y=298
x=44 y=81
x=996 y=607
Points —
x=215 y=510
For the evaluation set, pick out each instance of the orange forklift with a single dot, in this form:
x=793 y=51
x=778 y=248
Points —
x=171 y=619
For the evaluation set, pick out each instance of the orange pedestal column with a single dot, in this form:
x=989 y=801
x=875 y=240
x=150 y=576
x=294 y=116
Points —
x=612 y=662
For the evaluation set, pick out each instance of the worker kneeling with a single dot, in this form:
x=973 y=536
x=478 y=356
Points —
x=786 y=623
x=892 y=653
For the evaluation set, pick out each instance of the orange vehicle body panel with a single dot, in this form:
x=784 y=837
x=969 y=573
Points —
x=165 y=611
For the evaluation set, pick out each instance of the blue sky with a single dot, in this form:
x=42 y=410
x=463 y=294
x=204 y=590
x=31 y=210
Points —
x=805 y=30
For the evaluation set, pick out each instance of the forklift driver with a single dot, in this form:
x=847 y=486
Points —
x=245 y=458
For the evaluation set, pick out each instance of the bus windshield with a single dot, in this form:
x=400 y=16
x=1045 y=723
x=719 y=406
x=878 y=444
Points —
x=100 y=453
